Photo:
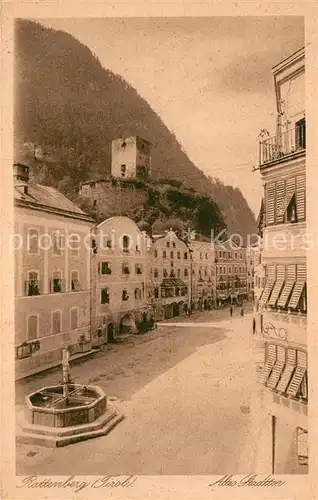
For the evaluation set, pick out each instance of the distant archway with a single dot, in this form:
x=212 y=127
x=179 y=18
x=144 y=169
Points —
x=128 y=324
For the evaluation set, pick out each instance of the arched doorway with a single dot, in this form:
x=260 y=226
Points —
x=110 y=333
x=127 y=324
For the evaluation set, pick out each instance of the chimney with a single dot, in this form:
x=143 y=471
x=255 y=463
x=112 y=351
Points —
x=21 y=177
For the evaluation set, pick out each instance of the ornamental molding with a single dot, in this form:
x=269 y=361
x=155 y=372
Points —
x=270 y=330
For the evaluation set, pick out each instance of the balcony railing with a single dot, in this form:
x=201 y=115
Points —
x=284 y=144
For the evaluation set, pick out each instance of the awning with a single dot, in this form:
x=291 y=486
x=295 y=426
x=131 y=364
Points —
x=284 y=296
x=266 y=292
x=268 y=365
x=295 y=297
x=275 y=292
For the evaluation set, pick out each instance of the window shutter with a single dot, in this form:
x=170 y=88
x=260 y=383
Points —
x=301 y=197
x=270 y=203
x=280 y=196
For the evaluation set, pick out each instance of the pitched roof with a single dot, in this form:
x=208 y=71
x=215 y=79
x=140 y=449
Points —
x=49 y=198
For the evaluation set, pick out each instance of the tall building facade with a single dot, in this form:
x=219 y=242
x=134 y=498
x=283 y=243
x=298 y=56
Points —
x=170 y=276
x=52 y=275
x=203 y=274
x=120 y=279
x=281 y=318
x=231 y=273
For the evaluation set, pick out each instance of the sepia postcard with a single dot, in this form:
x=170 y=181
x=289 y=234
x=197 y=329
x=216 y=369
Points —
x=159 y=250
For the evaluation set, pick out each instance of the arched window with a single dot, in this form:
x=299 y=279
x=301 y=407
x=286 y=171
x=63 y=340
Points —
x=126 y=243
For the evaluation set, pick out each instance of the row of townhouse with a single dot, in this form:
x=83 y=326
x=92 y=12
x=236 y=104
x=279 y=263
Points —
x=82 y=284
x=281 y=276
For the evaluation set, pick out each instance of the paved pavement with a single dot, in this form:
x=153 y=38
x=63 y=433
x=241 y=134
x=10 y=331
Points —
x=187 y=393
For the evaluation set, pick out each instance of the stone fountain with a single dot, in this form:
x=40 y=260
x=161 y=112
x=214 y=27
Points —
x=67 y=413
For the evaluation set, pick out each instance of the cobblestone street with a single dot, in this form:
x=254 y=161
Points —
x=186 y=390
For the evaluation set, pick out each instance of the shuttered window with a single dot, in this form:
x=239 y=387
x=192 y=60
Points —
x=289 y=193
x=299 y=286
x=301 y=197
x=280 y=278
x=56 y=322
x=74 y=318
x=288 y=371
x=270 y=202
x=280 y=197
x=277 y=368
x=298 y=375
x=289 y=285
x=270 y=280
x=32 y=327
x=270 y=361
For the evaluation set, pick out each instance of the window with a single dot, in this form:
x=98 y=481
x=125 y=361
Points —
x=165 y=273
x=291 y=214
x=301 y=134
x=123 y=169
x=201 y=256
x=74 y=244
x=174 y=245
x=186 y=255
x=178 y=255
x=171 y=255
x=220 y=255
x=206 y=256
x=224 y=255
x=137 y=293
x=164 y=254
x=94 y=204
x=105 y=268
x=33 y=287
x=186 y=272
x=168 y=244
x=126 y=243
x=156 y=253
x=241 y=256
x=178 y=273
x=224 y=270
x=104 y=296
x=75 y=284
x=125 y=295
x=156 y=292
x=235 y=256
x=56 y=282
x=125 y=268
x=156 y=273
x=56 y=322
x=32 y=326
x=74 y=318
x=138 y=269
x=33 y=241
x=57 y=243
x=230 y=270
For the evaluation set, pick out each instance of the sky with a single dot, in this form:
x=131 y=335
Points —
x=210 y=80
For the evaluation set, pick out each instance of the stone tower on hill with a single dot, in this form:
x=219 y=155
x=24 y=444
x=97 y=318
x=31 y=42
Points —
x=131 y=158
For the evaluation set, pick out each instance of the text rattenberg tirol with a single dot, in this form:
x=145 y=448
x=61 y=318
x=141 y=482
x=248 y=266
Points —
x=77 y=484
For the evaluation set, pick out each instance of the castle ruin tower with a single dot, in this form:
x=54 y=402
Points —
x=131 y=158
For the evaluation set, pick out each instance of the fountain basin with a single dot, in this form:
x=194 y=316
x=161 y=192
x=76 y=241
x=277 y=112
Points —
x=49 y=407
x=55 y=420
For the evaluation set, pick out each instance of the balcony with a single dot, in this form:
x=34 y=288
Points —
x=284 y=144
